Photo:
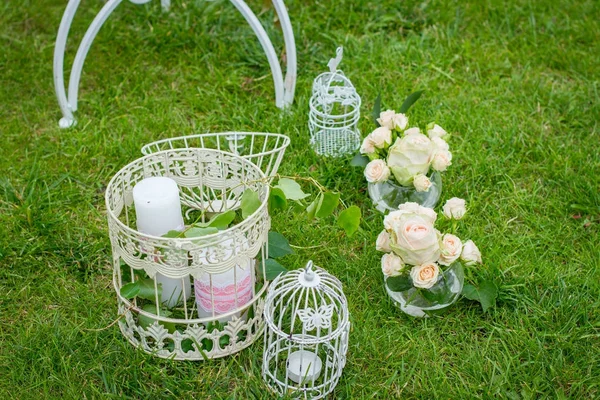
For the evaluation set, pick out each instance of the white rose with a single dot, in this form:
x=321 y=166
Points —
x=377 y=171
x=425 y=276
x=409 y=156
x=436 y=131
x=451 y=248
x=412 y=131
x=422 y=183
x=416 y=208
x=381 y=136
x=383 y=242
x=391 y=221
x=400 y=121
x=386 y=119
x=454 y=208
x=442 y=160
x=415 y=239
x=367 y=146
x=391 y=264
x=440 y=143
x=470 y=253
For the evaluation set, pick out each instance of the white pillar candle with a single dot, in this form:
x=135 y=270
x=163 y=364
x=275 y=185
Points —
x=304 y=366
x=158 y=211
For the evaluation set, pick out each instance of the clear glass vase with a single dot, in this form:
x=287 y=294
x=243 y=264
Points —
x=422 y=302
x=388 y=195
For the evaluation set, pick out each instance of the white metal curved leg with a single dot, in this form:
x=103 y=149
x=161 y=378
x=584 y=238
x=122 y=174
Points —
x=59 y=56
x=267 y=46
x=290 y=50
x=84 y=47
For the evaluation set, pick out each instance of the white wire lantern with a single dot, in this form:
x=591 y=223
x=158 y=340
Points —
x=163 y=316
x=306 y=335
x=265 y=150
x=334 y=112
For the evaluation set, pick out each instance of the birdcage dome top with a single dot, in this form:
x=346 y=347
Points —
x=307 y=305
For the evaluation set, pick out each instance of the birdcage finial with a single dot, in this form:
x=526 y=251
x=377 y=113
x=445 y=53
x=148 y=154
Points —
x=334 y=62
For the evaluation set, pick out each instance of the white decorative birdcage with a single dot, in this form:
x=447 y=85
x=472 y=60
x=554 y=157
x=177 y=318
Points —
x=265 y=150
x=334 y=113
x=306 y=333
x=153 y=275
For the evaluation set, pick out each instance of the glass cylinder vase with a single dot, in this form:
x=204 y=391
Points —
x=422 y=302
x=388 y=195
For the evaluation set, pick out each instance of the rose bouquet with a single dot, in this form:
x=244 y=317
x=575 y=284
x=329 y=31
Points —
x=423 y=268
x=404 y=162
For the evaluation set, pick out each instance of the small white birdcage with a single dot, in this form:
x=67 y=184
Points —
x=334 y=112
x=306 y=334
x=153 y=273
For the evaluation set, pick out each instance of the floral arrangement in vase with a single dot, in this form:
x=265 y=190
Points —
x=424 y=269
x=405 y=162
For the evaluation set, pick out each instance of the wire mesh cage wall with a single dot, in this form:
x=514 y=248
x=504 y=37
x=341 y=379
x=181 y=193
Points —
x=334 y=113
x=306 y=334
x=263 y=149
x=153 y=275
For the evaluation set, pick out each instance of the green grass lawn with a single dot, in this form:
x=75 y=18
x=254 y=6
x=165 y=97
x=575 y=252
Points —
x=516 y=82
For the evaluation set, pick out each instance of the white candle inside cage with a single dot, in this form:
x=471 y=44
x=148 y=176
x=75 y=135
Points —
x=158 y=211
x=221 y=293
x=304 y=366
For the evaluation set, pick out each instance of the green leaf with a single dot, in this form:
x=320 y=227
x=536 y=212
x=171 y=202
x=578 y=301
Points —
x=410 y=100
x=312 y=208
x=172 y=234
x=147 y=289
x=278 y=245
x=219 y=221
x=399 y=283
x=291 y=188
x=359 y=160
x=250 y=202
x=198 y=232
x=328 y=204
x=486 y=294
x=130 y=290
x=277 y=200
x=349 y=220
x=377 y=110
x=273 y=269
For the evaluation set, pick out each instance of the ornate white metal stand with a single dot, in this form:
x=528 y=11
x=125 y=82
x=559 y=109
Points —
x=306 y=334
x=225 y=317
x=67 y=100
x=334 y=112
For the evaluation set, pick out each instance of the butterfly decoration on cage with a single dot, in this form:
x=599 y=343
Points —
x=319 y=318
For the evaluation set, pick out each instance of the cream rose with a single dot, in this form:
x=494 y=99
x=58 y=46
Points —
x=451 y=248
x=381 y=136
x=383 y=242
x=416 y=208
x=409 y=156
x=414 y=239
x=442 y=160
x=367 y=147
x=391 y=264
x=422 y=183
x=377 y=171
x=425 y=276
x=413 y=131
x=440 y=143
x=436 y=131
x=400 y=121
x=454 y=208
x=470 y=253
x=386 y=118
